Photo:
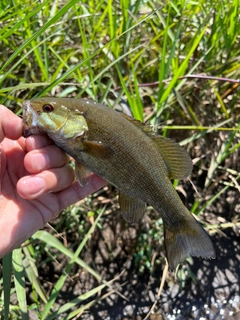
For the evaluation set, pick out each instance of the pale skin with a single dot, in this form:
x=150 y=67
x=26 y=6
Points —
x=36 y=182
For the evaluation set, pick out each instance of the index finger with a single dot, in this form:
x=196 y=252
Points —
x=10 y=124
x=38 y=141
x=75 y=192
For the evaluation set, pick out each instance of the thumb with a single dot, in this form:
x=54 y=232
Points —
x=2 y=166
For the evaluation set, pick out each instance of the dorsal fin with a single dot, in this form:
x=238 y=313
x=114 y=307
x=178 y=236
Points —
x=143 y=126
x=176 y=157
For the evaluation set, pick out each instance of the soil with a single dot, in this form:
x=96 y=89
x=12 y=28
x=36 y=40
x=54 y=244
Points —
x=202 y=289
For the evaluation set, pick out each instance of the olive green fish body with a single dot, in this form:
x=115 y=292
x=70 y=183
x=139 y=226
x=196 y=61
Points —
x=131 y=157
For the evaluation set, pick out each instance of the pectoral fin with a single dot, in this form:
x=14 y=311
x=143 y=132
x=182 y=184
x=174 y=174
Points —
x=82 y=174
x=176 y=158
x=96 y=149
x=132 y=209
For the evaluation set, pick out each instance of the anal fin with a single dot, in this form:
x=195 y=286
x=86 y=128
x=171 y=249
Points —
x=132 y=209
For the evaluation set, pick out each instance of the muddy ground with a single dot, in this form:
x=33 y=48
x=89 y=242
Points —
x=203 y=289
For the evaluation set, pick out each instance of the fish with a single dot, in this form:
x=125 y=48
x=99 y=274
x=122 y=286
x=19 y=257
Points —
x=131 y=157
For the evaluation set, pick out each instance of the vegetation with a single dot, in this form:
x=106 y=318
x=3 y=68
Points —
x=154 y=60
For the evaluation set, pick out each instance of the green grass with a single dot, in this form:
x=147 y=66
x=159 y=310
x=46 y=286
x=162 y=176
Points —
x=138 y=52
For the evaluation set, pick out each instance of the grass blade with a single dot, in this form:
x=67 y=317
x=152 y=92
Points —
x=7 y=272
x=182 y=67
x=19 y=281
x=48 y=24
x=32 y=273
x=60 y=282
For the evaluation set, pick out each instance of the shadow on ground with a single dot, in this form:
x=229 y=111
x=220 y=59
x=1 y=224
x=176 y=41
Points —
x=209 y=289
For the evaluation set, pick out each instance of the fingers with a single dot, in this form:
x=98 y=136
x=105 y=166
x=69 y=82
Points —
x=48 y=168
x=45 y=158
x=75 y=192
x=53 y=180
x=2 y=166
x=37 y=142
x=51 y=173
x=10 y=124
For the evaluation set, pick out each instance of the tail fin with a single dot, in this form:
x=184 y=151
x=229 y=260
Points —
x=188 y=240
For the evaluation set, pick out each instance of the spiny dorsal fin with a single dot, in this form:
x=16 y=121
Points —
x=143 y=126
x=176 y=158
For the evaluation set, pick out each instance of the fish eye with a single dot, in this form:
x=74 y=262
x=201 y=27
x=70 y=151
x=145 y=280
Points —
x=47 y=108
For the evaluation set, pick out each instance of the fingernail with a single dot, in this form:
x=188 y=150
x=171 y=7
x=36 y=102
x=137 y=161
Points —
x=40 y=161
x=30 y=140
x=33 y=185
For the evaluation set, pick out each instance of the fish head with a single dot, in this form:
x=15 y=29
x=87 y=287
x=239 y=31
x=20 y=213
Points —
x=54 y=117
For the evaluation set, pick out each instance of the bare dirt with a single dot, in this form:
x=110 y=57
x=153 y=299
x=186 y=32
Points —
x=202 y=289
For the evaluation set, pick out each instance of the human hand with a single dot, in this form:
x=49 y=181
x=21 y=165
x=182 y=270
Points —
x=36 y=182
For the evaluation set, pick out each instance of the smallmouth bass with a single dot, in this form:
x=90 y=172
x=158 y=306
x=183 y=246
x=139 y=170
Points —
x=127 y=154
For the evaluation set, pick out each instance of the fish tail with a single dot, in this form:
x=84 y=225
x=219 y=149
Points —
x=190 y=239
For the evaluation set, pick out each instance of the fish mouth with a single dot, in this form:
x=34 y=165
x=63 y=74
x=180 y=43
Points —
x=30 y=126
x=27 y=113
x=29 y=131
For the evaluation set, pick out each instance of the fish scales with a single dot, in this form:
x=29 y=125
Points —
x=120 y=171
x=129 y=156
